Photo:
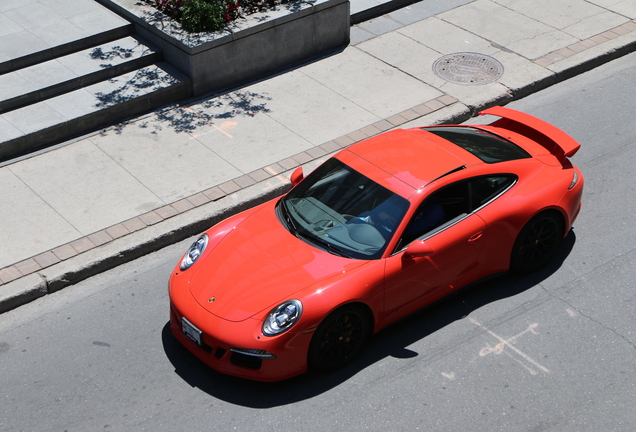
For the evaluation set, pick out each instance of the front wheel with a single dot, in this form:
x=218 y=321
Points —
x=537 y=243
x=339 y=338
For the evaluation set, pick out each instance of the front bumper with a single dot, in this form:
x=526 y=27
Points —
x=219 y=337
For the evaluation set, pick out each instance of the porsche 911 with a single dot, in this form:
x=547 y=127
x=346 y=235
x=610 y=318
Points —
x=380 y=230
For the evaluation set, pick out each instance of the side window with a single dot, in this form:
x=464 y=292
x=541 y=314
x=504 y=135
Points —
x=452 y=203
x=447 y=204
x=484 y=189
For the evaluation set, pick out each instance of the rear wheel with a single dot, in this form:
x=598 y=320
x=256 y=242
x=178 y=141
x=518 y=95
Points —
x=537 y=243
x=339 y=338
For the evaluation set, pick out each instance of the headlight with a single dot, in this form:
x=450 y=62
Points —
x=194 y=252
x=282 y=317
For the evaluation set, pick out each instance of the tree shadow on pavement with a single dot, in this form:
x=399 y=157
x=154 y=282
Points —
x=188 y=118
x=390 y=342
x=226 y=106
x=144 y=80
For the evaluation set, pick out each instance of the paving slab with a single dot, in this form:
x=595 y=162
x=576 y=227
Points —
x=370 y=83
x=424 y=9
x=403 y=52
x=456 y=39
x=8 y=25
x=508 y=28
x=52 y=35
x=310 y=108
x=363 y=5
x=107 y=192
x=97 y=21
x=519 y=72
x=593 y=25
x=359 y=35
x=13 y=84
x=29 y=224
x=188 y=166
x=27 y=16
x=623 y=7
x=46 y=74
x=380 y=25
x=562 y=14
x=74 y=104
x=8 y=131
x=70 y=8
x=268 y=140
x=20 y=43
x=32 y=118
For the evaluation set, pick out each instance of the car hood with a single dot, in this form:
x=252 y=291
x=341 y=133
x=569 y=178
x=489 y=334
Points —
x=258 y=265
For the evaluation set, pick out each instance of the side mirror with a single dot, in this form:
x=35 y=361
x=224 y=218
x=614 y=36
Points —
x=297 y=176
x=418 y=248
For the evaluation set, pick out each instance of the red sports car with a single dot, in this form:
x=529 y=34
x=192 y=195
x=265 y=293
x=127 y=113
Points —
x=380 y=230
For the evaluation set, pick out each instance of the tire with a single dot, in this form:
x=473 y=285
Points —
x=339 y=338
x=537 y=243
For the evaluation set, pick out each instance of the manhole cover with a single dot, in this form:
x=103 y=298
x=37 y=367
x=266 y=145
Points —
x=468 y=68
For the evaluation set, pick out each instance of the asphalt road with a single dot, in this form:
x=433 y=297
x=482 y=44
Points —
x=554 y=351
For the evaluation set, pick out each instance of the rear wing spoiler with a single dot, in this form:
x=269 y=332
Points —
x=552 y=138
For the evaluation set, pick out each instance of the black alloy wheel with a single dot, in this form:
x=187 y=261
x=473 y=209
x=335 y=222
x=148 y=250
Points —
x=339 y=338
x=537 y=243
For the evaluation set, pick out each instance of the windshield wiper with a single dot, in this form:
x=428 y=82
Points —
x=331 y=248
x=291 y=226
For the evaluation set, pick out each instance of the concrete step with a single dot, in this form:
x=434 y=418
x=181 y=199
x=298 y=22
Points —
x=45 y=123
x=30 y=58
x=74 y=71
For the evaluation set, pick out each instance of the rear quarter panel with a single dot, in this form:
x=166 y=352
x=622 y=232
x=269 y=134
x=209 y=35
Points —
x=539 y=187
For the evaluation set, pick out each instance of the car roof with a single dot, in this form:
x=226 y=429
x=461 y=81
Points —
x=414 y=157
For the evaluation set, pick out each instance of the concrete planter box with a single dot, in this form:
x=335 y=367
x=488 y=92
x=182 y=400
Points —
x=250 y=48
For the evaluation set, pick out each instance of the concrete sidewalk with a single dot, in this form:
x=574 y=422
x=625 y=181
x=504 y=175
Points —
x=94 y=203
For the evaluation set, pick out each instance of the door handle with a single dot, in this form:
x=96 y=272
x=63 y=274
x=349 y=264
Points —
x=475 y=237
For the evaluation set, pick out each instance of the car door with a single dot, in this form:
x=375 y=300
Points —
x=488 y=198
x=454 y=240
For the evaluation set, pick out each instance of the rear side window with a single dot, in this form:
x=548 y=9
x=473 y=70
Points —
x=485 y=189
x=486 y=146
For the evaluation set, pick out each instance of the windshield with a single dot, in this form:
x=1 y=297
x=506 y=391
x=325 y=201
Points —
x=343 y=212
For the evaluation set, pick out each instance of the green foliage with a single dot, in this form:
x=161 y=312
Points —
x=203 y=15
x=211 y=15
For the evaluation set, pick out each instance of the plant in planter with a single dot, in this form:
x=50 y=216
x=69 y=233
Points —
x=210 y=15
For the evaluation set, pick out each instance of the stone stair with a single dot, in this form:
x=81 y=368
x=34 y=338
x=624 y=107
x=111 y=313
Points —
x=81 y=86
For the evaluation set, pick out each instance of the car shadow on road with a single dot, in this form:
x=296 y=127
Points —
x=390 y=342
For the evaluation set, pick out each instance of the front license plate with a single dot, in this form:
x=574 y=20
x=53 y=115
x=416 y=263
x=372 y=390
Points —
x=191 y=331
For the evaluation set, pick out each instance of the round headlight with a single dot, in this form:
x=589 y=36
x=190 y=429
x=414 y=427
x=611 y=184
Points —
x=194 y=252
x=282 y=317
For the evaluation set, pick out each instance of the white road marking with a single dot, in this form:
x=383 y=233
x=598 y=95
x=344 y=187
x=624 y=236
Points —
x=503 y=343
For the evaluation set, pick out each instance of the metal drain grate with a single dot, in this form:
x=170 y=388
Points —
x=468 y=68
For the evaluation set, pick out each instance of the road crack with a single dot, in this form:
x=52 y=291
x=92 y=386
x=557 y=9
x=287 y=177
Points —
x=587 y=316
